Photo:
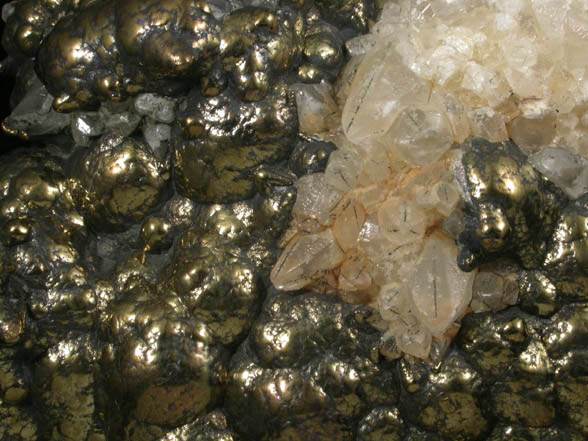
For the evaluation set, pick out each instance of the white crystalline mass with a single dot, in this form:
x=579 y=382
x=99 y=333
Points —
x=501 y=59
x=565 y=169
x=157 y=107
x=34 y=115
x=379 y=225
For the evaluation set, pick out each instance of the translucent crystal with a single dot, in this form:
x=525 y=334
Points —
x=157 y=107
x=354 y=276
x=371 y=197
x=394 y=301
x=85 y=125
x=118 y=119
x=485 y=83
x=33 y=115
x=381 y=88
x=442 y=196
x=220 y=8
x=453 y=225
x=316 y=106
x=315 y=200
x=349 y=222
x=487 y=123
x=420 y=135
x=371 y=239
x=305 y=260
x=440 y=291
x=155 y=133
x=533 y=133
x=455 y=112
x=375 y=166
x=565 y=169
x=414 y=340
x=551 y=15
x=494 y=288
x=342 y=171
x=402 y=221
x=360 y=45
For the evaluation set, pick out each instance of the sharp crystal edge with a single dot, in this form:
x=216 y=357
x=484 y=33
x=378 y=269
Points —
x=270 y=220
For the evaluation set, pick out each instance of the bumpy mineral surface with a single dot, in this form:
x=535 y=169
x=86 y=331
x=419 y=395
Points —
x=434 y=118
x=169 y=144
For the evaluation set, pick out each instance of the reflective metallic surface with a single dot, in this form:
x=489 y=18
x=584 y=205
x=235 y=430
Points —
x=135 y=301
x=511 y=208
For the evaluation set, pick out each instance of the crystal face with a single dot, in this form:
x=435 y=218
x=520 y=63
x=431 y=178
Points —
x=138 y=232
x=428 y=76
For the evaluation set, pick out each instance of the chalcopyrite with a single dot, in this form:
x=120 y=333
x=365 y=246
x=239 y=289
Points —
x=427 y=184
x=168 y=146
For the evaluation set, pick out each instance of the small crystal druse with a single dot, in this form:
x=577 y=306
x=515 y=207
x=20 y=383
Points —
x=449 y=120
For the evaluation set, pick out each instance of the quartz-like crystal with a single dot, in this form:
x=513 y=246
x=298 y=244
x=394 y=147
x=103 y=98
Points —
x=119 y=121
x=155 y=133
x=421 y=135
x=316 y=198
x=383 y=86
x=564 y=168
x=316 y=105
x=380 y=223
x=495 y=287
x=157 y=107
x=33 y=115
x=306 y=260
x=86 y=125
x=440 y=291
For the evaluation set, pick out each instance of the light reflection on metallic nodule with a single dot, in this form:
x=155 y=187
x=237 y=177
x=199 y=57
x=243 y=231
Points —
x=134 y=296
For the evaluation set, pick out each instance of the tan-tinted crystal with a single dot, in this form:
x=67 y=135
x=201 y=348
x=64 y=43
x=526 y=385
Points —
x=305 y=260
x=440 y=290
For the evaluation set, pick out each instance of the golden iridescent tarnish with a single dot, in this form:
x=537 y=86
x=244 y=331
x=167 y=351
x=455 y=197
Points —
x=567 y=332
x=538 y=294
x=312 y=354
x=218 y=263
x=66 y=382
x=12 y=321
x=162 y=359
x=224 y=140
x=31 y=20
x=445 y=400
x=567 y=259
x=14 y=384
x=323 y=53
x=349 y=13
x=510 y=207
x=255 y=44
x=213 y=426
x=156 y=234
x=126 y=316
x=110 y=50
x=131 y=182
x=17 y=424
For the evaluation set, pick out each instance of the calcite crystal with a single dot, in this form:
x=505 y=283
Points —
x=380 y=225
x=504 y=68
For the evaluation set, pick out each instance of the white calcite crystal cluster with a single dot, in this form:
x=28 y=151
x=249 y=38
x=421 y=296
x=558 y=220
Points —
x=379 y=225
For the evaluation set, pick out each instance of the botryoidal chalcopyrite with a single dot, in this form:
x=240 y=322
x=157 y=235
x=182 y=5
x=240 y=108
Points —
x=135 y=254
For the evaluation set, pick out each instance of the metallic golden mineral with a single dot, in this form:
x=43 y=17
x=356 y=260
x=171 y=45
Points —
x=135 y=301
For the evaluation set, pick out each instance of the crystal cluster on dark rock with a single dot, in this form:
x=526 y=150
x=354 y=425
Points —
x=138 y=231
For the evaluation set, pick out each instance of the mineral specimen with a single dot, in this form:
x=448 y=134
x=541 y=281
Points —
x=427 y=105
x=138 y=231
